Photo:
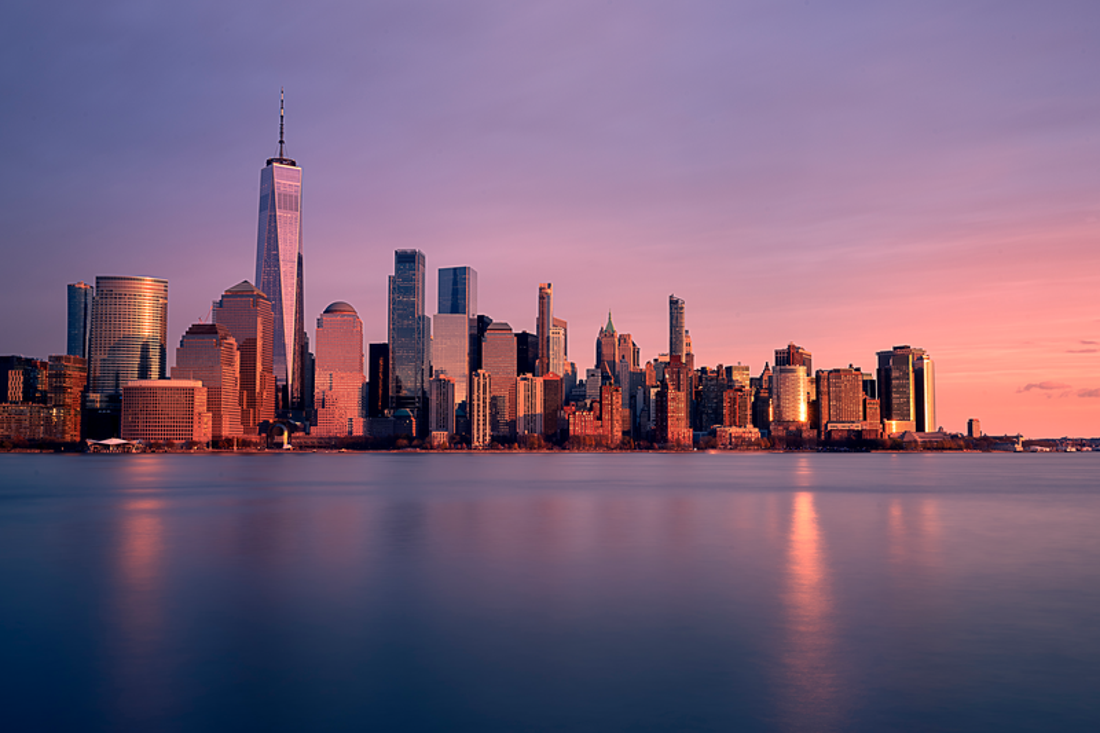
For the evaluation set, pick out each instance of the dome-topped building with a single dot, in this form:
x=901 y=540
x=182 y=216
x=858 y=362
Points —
x=341 y=307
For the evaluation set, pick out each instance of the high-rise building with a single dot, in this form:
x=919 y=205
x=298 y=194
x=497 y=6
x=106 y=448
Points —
x=128 y=341
x=907 y=390
x=544 y=324
x=673 y=407
x=338 y=372
x=80 y=300
x=171 y=410
x=552 y=398
x=67 y=378
x=246 y=312
x=279 y=269
x=409 y=332
x=441 y=404
x=498 y=358
x=479 y=408
x=208 y=353
x=793 y=355
x=840 y=399
x=527 y=353
x=556 y=357
x=378 y=384
x=924 y=378
x=529 y=405
x=607 y=347
x=676 y=326
x=789 y=395
x=451 y=350
x=973 y=428
x=458 y=291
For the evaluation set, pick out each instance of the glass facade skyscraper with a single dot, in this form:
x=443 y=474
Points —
x=409 y=330
x=339 y=372
x=676 y=326
x=458 y=291
x=279 y=269
x=80 y=318
x=129 y=333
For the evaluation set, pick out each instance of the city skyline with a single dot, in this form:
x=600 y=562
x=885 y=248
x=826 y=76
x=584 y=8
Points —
x=884 y=185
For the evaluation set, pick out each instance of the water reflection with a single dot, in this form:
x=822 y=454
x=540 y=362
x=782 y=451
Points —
x=138 y=613
x=809 y=662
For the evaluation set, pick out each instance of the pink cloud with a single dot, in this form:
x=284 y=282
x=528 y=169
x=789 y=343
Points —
x=1044 y=386
x=1082 y=351
x=1088 y=392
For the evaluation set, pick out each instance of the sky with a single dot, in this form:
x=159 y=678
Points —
x=848 y=176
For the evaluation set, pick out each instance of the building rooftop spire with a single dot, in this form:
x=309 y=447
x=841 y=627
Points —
x=281 y=115
x=281 y=157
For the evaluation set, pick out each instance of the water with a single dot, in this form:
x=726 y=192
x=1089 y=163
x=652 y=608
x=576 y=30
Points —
x=408 y=592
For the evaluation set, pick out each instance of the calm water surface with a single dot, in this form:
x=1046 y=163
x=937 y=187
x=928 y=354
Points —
x=408 y=592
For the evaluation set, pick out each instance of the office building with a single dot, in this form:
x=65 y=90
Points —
x=529 y=405
x=165 y=410
x=208 y=353
x=409 y=331
x=279 y=270
x=441 y=404
x=556 y=343
x=80 y=300
x=907 y=391
x=479 y=404
x=378 y=376
x=129 y=341
x=543 y=325
x=789 y=395
x=67 y=377
x=247 y=313
x=498 y=357
x=973 y=428
x=527 y=353
x=840 y=400
x=607 y=348
x=338 y=372
x=457 y=291
x=676 y=326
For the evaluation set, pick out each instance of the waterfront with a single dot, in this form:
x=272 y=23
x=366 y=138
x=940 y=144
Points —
x=551 y=592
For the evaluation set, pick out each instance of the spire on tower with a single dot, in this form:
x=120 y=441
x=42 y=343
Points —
x=281 y=143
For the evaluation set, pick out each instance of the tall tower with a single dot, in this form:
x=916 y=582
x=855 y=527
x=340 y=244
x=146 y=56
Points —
x=544 y=322
x=279 y=268
x=676 y=326
x=454 y=326
x=409 y=331
x=80 y=318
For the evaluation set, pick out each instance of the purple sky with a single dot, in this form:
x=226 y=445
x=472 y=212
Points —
x=845 y=175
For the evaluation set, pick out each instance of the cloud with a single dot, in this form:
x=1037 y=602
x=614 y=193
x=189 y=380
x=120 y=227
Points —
x=1089 y=392
x=1082 y=351
x=1090 y=343
x=1044 y=386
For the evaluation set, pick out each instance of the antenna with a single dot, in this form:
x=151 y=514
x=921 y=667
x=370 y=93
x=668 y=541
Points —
x=281 y=143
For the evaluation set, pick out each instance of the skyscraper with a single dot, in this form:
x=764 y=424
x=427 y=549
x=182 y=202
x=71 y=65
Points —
x=676 y=326
x=607 y=348
x=80 y=318
x=208 y=352
x=338 y=375
x=378 y=374
x=907 y=390
x=409 y=331
x=279 y=268
x=458 y=291
x=544 y=323
x=246 y=312
x=789 y=395
x=479 y=405
x=129 y=334
x=453 y=326
x=498 y=357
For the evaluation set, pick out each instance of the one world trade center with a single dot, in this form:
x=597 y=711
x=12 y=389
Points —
x=279 y=269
